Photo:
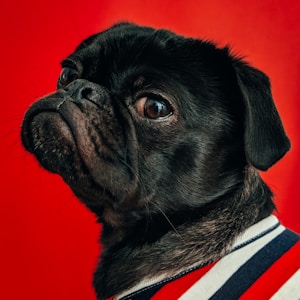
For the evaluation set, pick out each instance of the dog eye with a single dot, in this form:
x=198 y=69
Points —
x=153 y=107
x=67 y=75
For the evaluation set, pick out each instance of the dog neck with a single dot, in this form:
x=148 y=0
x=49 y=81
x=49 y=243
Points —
x=204 y=238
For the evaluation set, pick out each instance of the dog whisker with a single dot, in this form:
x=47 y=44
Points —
x=169 y=221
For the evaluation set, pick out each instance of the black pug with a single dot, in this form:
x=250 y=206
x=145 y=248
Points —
x=162 y=138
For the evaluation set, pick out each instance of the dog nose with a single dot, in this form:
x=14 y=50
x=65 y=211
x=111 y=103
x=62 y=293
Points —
x=81 y=90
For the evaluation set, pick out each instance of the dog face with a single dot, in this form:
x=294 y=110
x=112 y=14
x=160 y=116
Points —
x=145 y=121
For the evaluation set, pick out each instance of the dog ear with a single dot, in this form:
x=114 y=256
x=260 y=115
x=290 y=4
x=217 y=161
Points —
x=265 y=138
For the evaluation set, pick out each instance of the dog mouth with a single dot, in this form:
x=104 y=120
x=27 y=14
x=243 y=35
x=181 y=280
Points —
x=82 y=142
x=47 y=135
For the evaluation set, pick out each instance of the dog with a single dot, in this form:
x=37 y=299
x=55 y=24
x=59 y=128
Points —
x=163 y=137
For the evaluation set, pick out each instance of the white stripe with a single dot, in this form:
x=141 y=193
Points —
x=290 y=290
x=255 y=230
x=226 y=267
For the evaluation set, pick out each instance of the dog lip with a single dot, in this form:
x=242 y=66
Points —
x=47 y=104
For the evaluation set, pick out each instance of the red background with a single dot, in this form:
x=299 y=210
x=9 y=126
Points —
x=48 y=244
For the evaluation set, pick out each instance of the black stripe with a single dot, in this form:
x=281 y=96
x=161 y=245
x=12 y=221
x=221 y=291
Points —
x=249 y=272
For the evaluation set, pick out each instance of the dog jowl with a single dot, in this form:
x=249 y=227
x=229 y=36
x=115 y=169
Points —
x=162 y=137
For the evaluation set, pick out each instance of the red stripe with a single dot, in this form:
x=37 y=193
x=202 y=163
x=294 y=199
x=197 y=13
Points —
x=176 y=288
x=271 y=281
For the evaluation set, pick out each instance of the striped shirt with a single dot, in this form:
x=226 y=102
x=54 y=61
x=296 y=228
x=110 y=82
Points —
x=264 y=263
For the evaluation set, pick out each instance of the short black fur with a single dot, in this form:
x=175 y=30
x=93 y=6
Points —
x=173 y=191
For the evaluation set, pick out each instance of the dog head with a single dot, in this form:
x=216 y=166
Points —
x=145 y=121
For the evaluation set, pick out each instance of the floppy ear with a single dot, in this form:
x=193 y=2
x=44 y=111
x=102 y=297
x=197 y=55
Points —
x=265 y=138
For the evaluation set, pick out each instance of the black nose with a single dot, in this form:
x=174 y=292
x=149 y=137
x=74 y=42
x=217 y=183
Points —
x=81 y=90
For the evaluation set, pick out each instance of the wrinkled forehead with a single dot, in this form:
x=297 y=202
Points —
x=121 y=42
x=125 y=49
x=128 y=43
